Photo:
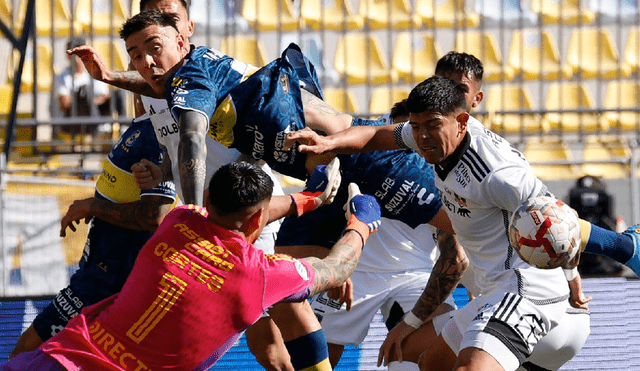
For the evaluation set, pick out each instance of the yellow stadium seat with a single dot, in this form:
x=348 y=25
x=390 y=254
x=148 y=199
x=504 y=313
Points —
x=632 y=50
x=562 y=11
x=550 y=159
x=44 y=66
x=337 y=15
x=342 y=100
x=620 y=95
x=592 y=54
x=534 y=55
x=99 y=17
x=113 y=54
x=571 y=96
x=6 y=97
x=271 y=15
x=359 y=57
x=381 y=14
x=245 y=48
x=513 y=98
x=485 y=47
x=598 y=148
x=415 y=57
x=44 y=26
x=445 y=13
x=382 y=99
x=6 y=12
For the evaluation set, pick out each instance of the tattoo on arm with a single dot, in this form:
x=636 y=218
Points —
x=132 y=81
x=335 y=268
x=143 y=215
x=444 y=277
x=192 y=156
x=311 y=102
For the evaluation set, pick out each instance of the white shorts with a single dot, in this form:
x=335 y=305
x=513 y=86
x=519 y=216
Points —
x=392 y=293
x=505 y=325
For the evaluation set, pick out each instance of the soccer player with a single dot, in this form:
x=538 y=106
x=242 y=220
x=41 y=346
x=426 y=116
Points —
x=198 y=282
x=482 y=179
x=123 y=217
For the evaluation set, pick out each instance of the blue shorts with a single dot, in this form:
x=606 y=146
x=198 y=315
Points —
x=401 y=181
x=107 y=260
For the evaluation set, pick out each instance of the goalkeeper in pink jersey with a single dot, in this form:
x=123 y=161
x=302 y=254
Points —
x=199 y=283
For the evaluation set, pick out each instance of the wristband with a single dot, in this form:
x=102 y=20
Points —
x=304 y=201
x=570 y=274
x=412 y=320
x=360 y=227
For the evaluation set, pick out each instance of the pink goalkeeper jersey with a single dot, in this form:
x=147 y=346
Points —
x=194 y=289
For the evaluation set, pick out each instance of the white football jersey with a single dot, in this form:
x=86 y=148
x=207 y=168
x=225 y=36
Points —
x=484 y=182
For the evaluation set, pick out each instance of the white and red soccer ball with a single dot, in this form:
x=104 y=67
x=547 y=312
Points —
x=545 y=232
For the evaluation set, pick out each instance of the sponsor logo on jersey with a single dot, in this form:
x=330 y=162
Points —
x=323 y=299
x=458 y=206
x=132 y=139
x=279 y=154
x=257 y=152
x=168 y=130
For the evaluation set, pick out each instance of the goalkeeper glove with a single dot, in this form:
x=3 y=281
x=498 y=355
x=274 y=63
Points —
x=321 y=188
x=362 y=212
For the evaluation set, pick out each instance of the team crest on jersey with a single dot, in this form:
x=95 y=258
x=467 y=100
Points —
x=132 y=139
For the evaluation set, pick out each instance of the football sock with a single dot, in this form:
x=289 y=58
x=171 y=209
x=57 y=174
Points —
x=309 y=352
x=602 y=241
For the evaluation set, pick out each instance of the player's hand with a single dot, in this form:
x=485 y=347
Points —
x=362 y=212
x=321 y=188
x=147 y=174
x=79 y=209
x=92 y=61
x=308 y=142
x=576 y=296
x=343 y=293
x=393 y=342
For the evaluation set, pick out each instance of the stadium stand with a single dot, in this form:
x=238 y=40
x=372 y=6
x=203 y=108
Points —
x=360 y=59
x=341 y=99
x=271 y=15
x=446 y=13
x=245 y=48
x=312 y=45
x=612 y=154
x=533 y=54
x=335 y=15
x=53 y=17
x=382 y=99
x=101 y=17
x=43 y=65
x=501 y=13
x=631 y=59
x=621 y=95
x=6 y=11
x=383 y=14
x=550 y=158
x=505 y=104
x=568 y=12
x=217 y=17
x=115 y=56
x=615 y=12
x=592 y=54
x=574 y=109
x=486 y=48
x=415 y=56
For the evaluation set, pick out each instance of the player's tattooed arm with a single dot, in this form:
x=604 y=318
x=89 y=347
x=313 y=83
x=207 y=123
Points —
x=333 y=270
x=143 y=215
x=192 y=156
x=132 y=81
x=445 y=276
x=321 y=117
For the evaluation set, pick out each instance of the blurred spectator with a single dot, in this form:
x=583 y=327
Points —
x=79 y=95
x=592 y=202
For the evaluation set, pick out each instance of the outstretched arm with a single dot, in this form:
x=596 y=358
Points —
x=192 y=156
x=356 y=139
x=128 y=80
x=143 y=215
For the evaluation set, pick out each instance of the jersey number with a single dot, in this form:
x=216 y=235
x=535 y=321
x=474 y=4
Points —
x=171 y=287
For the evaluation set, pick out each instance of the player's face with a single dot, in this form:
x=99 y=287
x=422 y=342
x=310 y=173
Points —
x=156 y=52
x=474 y=95
x=438 y=135
x=180 y=15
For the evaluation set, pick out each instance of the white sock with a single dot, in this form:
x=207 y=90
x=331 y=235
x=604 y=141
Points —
x=403 y=366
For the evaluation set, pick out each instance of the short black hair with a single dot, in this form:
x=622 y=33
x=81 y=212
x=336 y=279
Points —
x=436 y=93
x=456 y=62
x=238 y=186
x=399 y=109
x=145 y=19
x=185 y=3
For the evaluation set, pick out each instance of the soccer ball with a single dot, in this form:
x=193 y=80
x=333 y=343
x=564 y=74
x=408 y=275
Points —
x=545 y=232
